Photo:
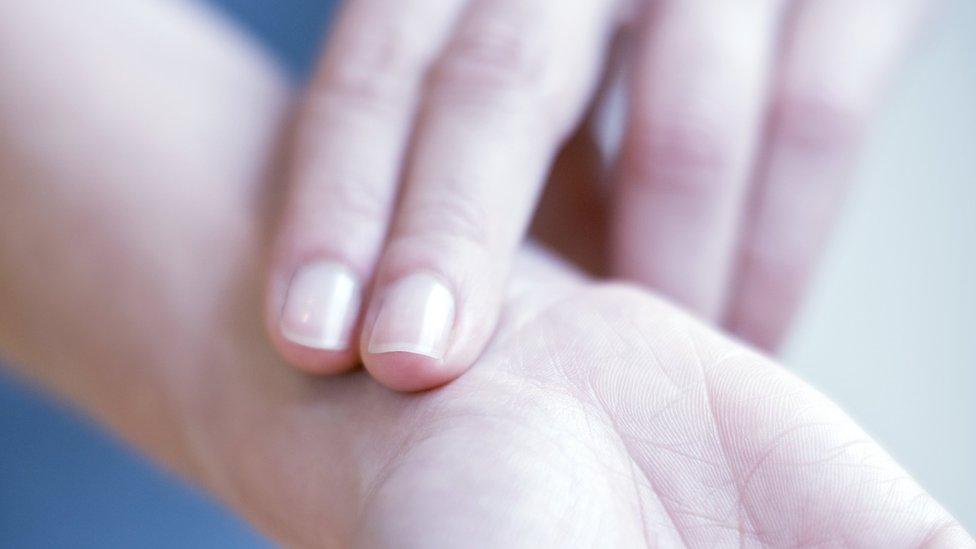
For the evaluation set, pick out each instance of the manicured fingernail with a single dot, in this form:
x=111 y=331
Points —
x=321 y=307
x=415 y=316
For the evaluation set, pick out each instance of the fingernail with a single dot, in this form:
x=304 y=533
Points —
x=415 y=316
x=321 y=307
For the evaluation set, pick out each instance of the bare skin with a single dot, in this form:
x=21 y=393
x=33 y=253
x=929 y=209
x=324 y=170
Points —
x=133 y=221
x=428 y=129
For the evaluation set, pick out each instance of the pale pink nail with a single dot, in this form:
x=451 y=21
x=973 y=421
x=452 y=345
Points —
x=321 y=307
x=416 y=316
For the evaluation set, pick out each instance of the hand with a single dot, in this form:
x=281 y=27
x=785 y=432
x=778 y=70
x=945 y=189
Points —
x=430 y=126
x=598 y=415
x=481 y=93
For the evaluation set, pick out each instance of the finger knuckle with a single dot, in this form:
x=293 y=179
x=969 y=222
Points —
x=359 y=205
x=377 y=68
x=494 y=60
x=364 y=202
x=818 y=123
x=687 y=153
x=453 y=219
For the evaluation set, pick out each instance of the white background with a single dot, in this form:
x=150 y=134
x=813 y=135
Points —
x=890 y=329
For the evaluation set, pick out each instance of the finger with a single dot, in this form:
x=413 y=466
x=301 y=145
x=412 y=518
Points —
x=512 y=82
x=348 y=149
x=698 y=88
x=838 y=54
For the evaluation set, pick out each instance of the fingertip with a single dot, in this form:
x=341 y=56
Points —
x=409 y=372
x=313 y=324
x=318 y=361
x=411 y=332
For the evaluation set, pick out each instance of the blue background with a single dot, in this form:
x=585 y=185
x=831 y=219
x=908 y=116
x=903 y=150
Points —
x=63 y=482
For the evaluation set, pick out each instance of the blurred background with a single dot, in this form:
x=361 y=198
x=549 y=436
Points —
x=889 y=331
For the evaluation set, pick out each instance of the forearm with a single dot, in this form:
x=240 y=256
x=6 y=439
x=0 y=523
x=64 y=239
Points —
x=103 y=297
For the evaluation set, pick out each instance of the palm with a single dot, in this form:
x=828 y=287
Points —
x=599 y=416
x=611 y=420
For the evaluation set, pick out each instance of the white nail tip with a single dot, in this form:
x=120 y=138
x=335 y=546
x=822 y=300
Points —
x=321 y=343
x=321 y=307
x=381 y=348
